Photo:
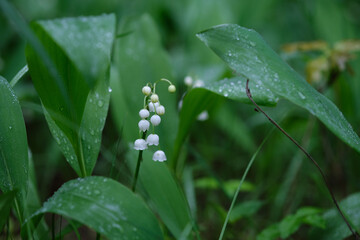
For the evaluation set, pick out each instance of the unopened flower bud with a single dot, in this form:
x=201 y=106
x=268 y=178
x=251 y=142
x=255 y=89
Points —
x=155 y=120
x=144 y=113
x=160 y=110
x=146 y=90
x=154 y=98
x=172 y=88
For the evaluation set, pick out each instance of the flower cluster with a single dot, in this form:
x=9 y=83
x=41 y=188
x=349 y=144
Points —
x=190 y=83
x=152 y=109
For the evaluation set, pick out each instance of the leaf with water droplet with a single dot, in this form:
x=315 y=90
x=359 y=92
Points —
x=275 y=75
x=80 y=50
x=108 y=207
x=156 y=179
x=13 y=147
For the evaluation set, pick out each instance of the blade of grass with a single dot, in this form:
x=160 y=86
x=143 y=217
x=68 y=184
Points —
x=241 y=182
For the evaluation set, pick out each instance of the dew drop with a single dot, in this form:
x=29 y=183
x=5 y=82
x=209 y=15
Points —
x=252 y=44
x=110 y=90
x=10 y=127
x=100 y=103
x=301 y=95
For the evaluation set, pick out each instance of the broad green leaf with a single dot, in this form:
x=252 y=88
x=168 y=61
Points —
x=206 y=97
x=230 y=185
x=6 y=202
x=335 y=225
x=291 y=223
x=140 y=59
x=80 y=51
x=13 y=147
x=234 y=88
x=164 y=193
x=90 y=131
x=105 y=206
x=245 y=209
x=246 y=52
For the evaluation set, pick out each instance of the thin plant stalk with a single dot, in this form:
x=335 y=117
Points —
x=19 y=75
x=137 y=170
x=240 y=184
x=248 y=93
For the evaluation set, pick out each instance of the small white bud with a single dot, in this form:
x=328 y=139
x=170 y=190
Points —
x=152 y=106
x=144 y=113
x=152 y=139
x=154 y=98
x=172 y=88
x=146 y=90
x=199 y=83
x=159 y=156
x=144 y=125
x=188 y=81
x=155 y=120
x=140 y=144
x=160 y=110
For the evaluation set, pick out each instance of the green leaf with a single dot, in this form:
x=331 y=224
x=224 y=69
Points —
x=6 y=202
x=335 y=225
x=230 y=185
x=200 y=99
x=13 y=147
x=80 y=51
x=291 y=223
x=164 y=193
x=234 y=88
x=140 y=59
x=105 y=206
x=246 y=52
x=245 y=209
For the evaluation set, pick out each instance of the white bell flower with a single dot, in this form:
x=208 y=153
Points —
x=146 y=90
x=160 y=110
x=155 y=120
x=188 y=81
x=198 y=83
x=140 y=144
x=152 y=106
x=144 y=125
x=144 y=113
x=152 y=139
x=159 y=156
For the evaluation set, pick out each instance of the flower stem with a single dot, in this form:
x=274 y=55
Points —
x=138 y=166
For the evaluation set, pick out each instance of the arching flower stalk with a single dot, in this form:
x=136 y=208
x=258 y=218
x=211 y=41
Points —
x=152 y=109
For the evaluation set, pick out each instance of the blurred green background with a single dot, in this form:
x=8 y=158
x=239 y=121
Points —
x=219 y=149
